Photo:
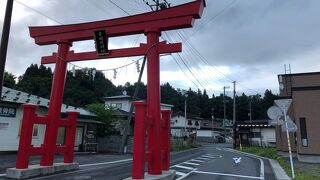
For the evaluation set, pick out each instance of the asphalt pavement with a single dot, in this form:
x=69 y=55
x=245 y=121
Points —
x=215 y=161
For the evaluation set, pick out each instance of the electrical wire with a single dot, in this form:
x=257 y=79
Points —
x=119 y=7
x=42 y=14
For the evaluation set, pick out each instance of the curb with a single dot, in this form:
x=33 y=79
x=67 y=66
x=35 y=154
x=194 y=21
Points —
x=277 y=170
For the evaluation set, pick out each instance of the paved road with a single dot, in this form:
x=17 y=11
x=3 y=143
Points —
x=207 y=162
x=218 y=162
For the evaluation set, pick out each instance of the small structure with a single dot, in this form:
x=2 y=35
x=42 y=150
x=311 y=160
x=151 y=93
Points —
x=256 y=133
x=304 y=90
x=11 y=116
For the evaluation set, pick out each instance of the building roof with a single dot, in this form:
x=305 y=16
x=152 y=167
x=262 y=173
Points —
x=254 y=123
x=300 y=74
x=19 y=97
x=127 y=97
x=118 y=97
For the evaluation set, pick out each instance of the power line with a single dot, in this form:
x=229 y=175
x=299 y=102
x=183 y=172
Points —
x=214 y=17
x=119 y=7
x=52 y=19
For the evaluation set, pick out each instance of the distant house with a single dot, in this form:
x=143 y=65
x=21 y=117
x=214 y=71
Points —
x=256 y=133
x=181 y=127
x=304 y=90
x=122 y=104
x=11 y=115
x=206 y=130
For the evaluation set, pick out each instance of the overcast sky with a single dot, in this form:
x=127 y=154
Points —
x=247 y=41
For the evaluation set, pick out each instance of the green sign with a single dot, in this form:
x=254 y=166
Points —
x=7 y=111
x=101 y=42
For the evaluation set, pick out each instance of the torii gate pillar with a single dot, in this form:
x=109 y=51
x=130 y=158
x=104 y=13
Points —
x=153 y=101
x=56 y=98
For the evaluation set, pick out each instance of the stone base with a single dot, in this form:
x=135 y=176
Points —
x=37 y=170
x=166 y=175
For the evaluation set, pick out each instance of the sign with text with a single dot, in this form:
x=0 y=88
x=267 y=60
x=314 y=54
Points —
x=7 y=111
x=101 y=42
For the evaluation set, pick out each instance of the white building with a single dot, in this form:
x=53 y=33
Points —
x=180 y=126
x=11 y=115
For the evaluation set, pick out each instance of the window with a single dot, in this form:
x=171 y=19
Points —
x=116 y=105
x=189 y=122
x=303 y=131
x=255 y=134
x=205 y=124
x=197 y=123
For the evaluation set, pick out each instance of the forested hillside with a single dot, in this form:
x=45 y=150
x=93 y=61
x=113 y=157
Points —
x=82 y=89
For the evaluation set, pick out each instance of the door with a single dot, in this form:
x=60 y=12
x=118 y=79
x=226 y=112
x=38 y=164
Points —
x=79 y=139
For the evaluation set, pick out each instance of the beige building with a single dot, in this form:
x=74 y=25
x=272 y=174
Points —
x=304 y=89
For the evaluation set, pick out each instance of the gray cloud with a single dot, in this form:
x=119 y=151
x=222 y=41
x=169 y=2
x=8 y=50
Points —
x=252 y=38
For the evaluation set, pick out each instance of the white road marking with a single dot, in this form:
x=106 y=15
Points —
x=180 y=173
x=105 y=163
x=208 y=156
x=195 y=164
x=2 y=175
x=184 y=167
x=219 y=149
x=223 y=174
x=205 y=159
x=253 y=156
x=195 y=160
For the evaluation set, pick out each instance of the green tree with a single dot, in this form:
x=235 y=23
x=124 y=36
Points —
x=36 y=80
x=9 y=80
x=105 y=115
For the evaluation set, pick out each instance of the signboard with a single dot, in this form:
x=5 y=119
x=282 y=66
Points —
x=283 y=104
x=7 y=111
x=274 y=112
x=290 y=125
x=101 y=42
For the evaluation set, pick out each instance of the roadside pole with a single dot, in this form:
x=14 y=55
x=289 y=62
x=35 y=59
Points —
x=5 y=40
x=289 y=145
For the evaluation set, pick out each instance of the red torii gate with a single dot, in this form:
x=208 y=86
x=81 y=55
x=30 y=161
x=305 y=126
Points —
x=151 y=24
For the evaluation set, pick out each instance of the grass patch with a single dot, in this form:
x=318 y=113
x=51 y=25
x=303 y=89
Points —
x=285 y=163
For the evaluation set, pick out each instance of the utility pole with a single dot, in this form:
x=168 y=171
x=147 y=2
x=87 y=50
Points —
x=250 y=109
x=224 y=110
x=185 y=113
x=212 y=126
x=234 y=116
x=4 y=41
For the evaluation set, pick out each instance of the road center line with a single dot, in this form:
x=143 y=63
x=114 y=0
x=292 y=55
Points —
x=223 y=174
x=105 y=163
